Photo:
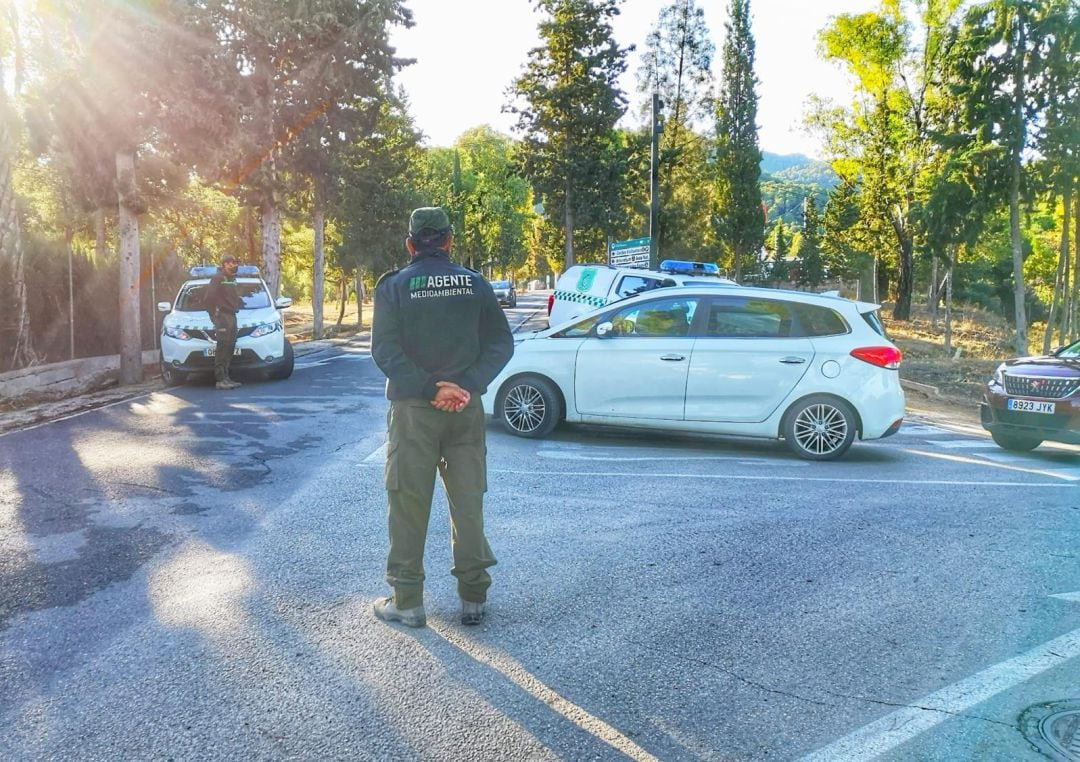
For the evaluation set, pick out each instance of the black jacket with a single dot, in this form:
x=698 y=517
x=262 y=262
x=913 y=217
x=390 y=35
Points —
x=437 y=321
x=220 y=295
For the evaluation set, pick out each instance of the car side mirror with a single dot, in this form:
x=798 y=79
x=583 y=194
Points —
x=164 y=306
x=282 y=302
x=604 y=330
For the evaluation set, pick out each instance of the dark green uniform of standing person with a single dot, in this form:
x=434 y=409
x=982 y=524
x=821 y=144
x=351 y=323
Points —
x=440 y=337
x=222 y=300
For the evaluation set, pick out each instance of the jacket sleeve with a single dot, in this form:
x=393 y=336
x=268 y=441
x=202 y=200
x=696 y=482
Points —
x=408 y=378
x=496 y=347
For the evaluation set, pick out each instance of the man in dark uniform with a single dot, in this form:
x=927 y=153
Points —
x=221 y=300
x=440 y=337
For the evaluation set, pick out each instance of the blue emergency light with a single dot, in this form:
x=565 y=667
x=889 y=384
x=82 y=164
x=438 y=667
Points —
x=209 y=271
x=683 y=267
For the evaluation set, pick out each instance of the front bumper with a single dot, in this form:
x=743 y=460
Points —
x=255 y=353
x=1062 y=426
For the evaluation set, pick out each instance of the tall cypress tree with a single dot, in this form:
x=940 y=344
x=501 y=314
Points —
x=811 y=266
x=739 y=221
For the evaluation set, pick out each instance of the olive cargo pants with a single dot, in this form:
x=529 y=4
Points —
x=421 y=439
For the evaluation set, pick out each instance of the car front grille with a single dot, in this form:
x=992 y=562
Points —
x=211 y=334
x=1044 y=387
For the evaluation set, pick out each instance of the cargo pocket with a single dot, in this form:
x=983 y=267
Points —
x=391 y=474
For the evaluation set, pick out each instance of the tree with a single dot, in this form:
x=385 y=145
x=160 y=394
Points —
x=567 y=103
x=738 y=219
x=11 y=247
x=780 y=271
x=811 y=266
x=678 y=67
x=996 y=73
x=344 y=92
x=880 y=144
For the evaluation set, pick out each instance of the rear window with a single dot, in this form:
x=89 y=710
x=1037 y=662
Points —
x=636 y=284
x=816 y=320
x=742 y=318
x=873 y=319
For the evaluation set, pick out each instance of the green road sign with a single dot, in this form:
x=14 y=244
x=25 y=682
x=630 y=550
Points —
x=633 y=253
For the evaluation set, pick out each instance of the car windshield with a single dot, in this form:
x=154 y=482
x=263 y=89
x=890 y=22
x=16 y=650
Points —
x=500 y=284
x=1072 y=350
x=253 y=296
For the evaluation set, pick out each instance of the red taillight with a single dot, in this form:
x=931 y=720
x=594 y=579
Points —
x=551 y=302
x=883 y=357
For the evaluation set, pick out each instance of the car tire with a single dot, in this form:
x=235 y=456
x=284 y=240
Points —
x=1016 y=442
x=819 y=427
x=284 y=369
x=171 y=376
x=529 y=406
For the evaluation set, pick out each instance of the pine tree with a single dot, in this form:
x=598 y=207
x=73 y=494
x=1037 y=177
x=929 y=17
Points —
x=738 y=219
x=811 y=266
x=567 y=103
x=678 y=60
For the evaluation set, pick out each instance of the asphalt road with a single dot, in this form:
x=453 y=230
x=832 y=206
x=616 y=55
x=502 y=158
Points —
x=189 y=575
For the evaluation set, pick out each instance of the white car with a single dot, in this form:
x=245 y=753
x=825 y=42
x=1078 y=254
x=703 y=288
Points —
x=815 y=370
x=187 y=333
x=583 y=288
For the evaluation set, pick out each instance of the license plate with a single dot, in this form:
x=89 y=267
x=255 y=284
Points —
x=211 y=351
x=1030 y=406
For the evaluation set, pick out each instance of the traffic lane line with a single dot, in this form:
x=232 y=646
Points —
x=778 y=478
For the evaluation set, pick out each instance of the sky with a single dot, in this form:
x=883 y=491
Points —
x=468 y=53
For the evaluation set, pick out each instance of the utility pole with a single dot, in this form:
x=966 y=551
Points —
x=654 y=182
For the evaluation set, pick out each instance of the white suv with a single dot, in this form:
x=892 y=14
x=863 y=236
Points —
x=814 y=370
x=188 y=342
x=585 y=287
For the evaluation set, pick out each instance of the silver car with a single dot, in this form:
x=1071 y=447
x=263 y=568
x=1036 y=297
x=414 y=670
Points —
x=505 y=292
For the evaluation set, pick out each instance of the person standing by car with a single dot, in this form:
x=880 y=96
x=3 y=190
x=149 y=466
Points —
x=222 y=301
x=440 y=337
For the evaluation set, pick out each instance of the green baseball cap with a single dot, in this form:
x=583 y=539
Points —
x=430 y=218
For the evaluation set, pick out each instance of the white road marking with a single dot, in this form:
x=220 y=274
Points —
x=377 y=456
x=922 y=429
x=1023 y=466
x=901 y=726
x=559 y=455
x=328 y=360
x=967 y=444
x=776 y=478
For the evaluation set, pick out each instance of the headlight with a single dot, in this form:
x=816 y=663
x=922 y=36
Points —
x=176 y=333
x=999 y=376
x=265 y=329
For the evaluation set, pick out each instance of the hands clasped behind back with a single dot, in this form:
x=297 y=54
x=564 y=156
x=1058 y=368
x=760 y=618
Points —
x=450 y=398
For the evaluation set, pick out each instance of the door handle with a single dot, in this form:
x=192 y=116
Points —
x=673 y=358
x=792 y=360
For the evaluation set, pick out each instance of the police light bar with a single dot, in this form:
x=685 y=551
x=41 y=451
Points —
x=682 y=267
x=209 y=271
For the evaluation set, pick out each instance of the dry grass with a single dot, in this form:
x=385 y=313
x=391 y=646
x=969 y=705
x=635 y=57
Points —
x=980 y=341
x=298 y=319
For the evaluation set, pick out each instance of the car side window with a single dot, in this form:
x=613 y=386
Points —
x=816 y=320
x=747 y=318
x=635 y=284
x=662 y=317
x=577 y=330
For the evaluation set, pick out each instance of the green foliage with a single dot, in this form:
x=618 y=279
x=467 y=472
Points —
x=811 y=264
x=738 y=220
x=567 y=103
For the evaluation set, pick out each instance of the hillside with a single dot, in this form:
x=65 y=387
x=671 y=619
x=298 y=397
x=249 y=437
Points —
x=786 y=181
